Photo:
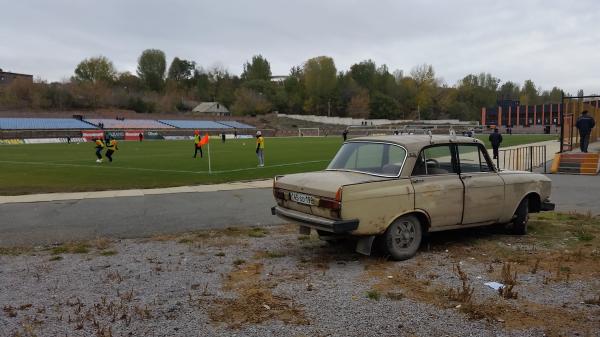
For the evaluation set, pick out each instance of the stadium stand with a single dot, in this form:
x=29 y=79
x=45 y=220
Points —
x=237 y=125
x=194 y=124
x=129 y=123
x=43 y=124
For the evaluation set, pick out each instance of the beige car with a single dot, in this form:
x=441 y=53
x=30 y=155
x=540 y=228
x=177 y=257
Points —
x=397 y=188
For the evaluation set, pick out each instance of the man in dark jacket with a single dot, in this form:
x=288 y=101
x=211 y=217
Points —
x=585 y=124
x=495 y=139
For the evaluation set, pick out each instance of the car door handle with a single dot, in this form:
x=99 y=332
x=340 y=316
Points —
x=418 y=180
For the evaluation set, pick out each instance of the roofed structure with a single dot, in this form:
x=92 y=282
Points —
x=214 y=108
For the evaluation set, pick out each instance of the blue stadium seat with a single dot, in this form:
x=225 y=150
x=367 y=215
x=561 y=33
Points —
x=129 y=123
x=42 y=123
x=192 y=124
x=237 y=125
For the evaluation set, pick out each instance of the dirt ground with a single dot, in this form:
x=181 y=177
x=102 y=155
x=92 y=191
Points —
x=274 y=282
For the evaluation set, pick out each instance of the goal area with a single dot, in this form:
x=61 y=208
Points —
x=309 y=132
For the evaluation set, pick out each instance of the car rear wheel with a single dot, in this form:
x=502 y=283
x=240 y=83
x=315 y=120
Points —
x=403 y=237
x=519 y=225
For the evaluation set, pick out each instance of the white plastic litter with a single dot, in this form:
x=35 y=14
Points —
x=494 y=285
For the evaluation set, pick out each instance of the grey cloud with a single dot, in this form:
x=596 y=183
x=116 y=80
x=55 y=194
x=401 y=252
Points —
x=555 y=43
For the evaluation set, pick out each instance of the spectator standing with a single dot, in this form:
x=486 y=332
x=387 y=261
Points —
x=345 y=134
x=260 y=149
x=141 y=135
x=585 y=124
x=495 y=138
x=223 y=137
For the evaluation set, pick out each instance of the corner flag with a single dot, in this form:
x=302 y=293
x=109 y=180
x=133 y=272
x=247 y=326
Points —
x=204 y=140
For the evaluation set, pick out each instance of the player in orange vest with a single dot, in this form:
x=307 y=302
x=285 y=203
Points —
x=197 y=145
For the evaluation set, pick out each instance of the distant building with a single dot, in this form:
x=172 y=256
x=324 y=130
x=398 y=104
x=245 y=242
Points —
x=213 y=108
x=279 y=78
x=7 y=78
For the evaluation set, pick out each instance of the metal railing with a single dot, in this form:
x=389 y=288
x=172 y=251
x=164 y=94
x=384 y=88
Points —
x=525 y=158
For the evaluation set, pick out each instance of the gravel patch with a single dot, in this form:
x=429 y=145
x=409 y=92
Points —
x=273 y=282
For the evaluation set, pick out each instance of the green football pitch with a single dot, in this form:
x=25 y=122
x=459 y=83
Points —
x=26 y=169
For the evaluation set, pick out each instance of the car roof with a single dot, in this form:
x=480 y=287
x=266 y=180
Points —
x=416 y=142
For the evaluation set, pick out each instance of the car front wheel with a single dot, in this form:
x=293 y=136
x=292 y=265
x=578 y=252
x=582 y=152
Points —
x=519 y=225
x=403 y=237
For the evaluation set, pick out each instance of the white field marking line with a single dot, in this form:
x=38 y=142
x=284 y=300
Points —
x=158 y=170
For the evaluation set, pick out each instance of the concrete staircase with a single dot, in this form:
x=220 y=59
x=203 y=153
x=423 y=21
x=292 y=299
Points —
x=576 y=163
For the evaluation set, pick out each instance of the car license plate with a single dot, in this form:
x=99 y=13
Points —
x=303 y=198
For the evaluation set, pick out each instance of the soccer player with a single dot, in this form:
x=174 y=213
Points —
x=99 y=147
x=260 y=149
x=111 y=147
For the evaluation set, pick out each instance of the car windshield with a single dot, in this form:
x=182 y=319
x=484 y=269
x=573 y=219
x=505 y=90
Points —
x=372 y=158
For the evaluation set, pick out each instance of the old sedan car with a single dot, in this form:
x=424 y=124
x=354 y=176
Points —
x=397 y=188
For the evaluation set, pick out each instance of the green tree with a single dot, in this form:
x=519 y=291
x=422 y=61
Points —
x=364 y=74
x=95 y=69
x=509 y=91
x=181 y=70
x=529 y=93
x=320 y=79
x=383 y=106
x=151 y=68
x=258 y=69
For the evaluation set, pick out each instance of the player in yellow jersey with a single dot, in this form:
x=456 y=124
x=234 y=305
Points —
x=111 y=147
x=260 y=149
x=99 y=148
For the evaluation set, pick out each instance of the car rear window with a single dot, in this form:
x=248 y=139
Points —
x=372 y=158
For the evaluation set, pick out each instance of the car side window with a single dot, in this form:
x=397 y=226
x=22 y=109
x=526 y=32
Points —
x=434 y=160
x=472 y=159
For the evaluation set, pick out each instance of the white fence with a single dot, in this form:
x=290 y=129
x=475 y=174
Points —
x=371 y=122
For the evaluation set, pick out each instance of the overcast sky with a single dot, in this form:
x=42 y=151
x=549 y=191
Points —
x=554 y=43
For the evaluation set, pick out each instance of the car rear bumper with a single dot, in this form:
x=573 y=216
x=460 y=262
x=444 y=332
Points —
x=316 y=222
x=547 y=206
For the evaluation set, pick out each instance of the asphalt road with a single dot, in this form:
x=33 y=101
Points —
x=141 y=216
x=127 y=217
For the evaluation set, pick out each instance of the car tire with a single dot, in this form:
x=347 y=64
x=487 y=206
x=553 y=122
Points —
x=519 y=225
x=403 y=237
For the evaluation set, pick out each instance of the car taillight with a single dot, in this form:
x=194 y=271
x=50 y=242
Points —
x=328 y=203
x=338 y=195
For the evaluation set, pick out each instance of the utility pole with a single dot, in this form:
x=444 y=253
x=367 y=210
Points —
x=329 y=107
x=418 y=112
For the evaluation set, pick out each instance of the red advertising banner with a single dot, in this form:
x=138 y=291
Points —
x=133 y=134
x=90 y=135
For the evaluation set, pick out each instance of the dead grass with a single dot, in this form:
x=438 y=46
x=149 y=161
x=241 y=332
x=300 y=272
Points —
x=254 y=303
x=464 y=293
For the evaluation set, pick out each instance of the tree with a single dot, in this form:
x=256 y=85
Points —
x=424 y=77
x=383 y=106
x=359 y=105
x=258 y=69
x=151 y=68
x=364 y=74
x=181 y=70
x=95 y=69
x=529 y=93
x=509 y=91
x=248 y=101
x=319 y=81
